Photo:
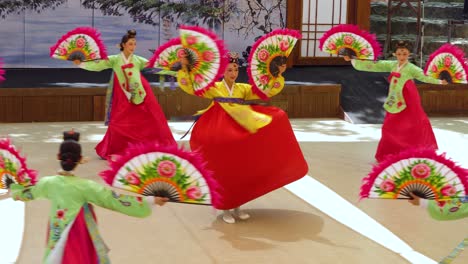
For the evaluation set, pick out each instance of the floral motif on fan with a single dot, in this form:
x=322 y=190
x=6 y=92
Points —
x=206 y=54
x=448 y=63
x=423 y=172
x=350 y=40
x=165 y=171
x=168 y=55
x=268 y=53
x=83 y=43
x=13 y=167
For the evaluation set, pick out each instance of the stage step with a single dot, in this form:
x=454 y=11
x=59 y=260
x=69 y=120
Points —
x=437 y=15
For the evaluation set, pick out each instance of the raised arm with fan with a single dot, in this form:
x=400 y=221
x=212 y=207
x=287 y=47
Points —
x=80 y=44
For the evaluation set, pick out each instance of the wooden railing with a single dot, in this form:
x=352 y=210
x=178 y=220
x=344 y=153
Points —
x=88 y=104
x=448 y=100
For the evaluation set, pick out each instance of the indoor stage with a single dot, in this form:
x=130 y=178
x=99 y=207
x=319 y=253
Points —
x=318 y=219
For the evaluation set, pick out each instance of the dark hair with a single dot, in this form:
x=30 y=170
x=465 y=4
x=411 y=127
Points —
x=233 y=57
x=403 y=44
x=69 y=154
x=276 y=63
x=130 y=34
x=73 y=135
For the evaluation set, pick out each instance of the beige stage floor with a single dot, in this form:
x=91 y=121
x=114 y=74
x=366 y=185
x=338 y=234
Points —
x=284 y=228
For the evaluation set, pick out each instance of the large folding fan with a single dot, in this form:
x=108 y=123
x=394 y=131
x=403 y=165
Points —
x=207 y=56
x=167 y=55
x=13 y=167
x=166 y=171
x=268 y=53
x=423 y=172
x=83 y=43
x=448 y=63
x=166 y=60
x=350 y=40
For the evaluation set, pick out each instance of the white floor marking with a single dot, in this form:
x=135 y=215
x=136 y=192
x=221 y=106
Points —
x=344 y=212
x=12 y=221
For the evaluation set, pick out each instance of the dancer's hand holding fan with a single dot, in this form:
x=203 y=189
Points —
x=269 y=54
x=80 y=44
x=13 y=167
x=350 y=40
x=166 y=59
x=448 y=63
x=163 y=171
x=422 y=172
x=206 y=56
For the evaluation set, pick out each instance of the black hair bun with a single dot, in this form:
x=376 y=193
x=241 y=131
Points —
x=402 y=44
x=131 y=33
x=71 y=135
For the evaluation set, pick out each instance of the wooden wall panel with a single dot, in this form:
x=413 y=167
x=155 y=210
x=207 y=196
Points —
x=11 y=109
x=99 y=107
x=76 y=104
x=449 y=100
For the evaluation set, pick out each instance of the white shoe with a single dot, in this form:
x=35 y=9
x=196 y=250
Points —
x=241 y=215
x=228 y=218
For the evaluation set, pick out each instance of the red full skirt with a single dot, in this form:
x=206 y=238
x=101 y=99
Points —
x=408 y=129
x=246 y=165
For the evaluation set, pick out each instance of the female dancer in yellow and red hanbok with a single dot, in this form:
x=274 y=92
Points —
x=250 y=148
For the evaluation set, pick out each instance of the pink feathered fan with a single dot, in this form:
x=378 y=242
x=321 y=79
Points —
x=207 y=56
x=13 y=167
x=2 y=72
x=422 y=172
x=350 y=40
x=268 y=53
x=448 y=63
x=83 y=43
x=167 y=55
x=165 y=171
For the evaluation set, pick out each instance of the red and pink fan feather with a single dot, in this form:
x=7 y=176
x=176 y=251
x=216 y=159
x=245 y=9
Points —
x=350 y=40
x=83 y=43
x=423 y=172
x=13 y=168
x=166 y=171
x=448 y=63
x=268 y=53
x=166 y=55
x=2 y=72
x=208 y=57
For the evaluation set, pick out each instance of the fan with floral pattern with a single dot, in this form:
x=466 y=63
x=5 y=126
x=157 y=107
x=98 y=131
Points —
x=13 y=167
x=165 y=171
x=423 y=172
x=268 y=53
x=448 y=63
x=207 y=56
x=350 y=40
x=83 y=43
